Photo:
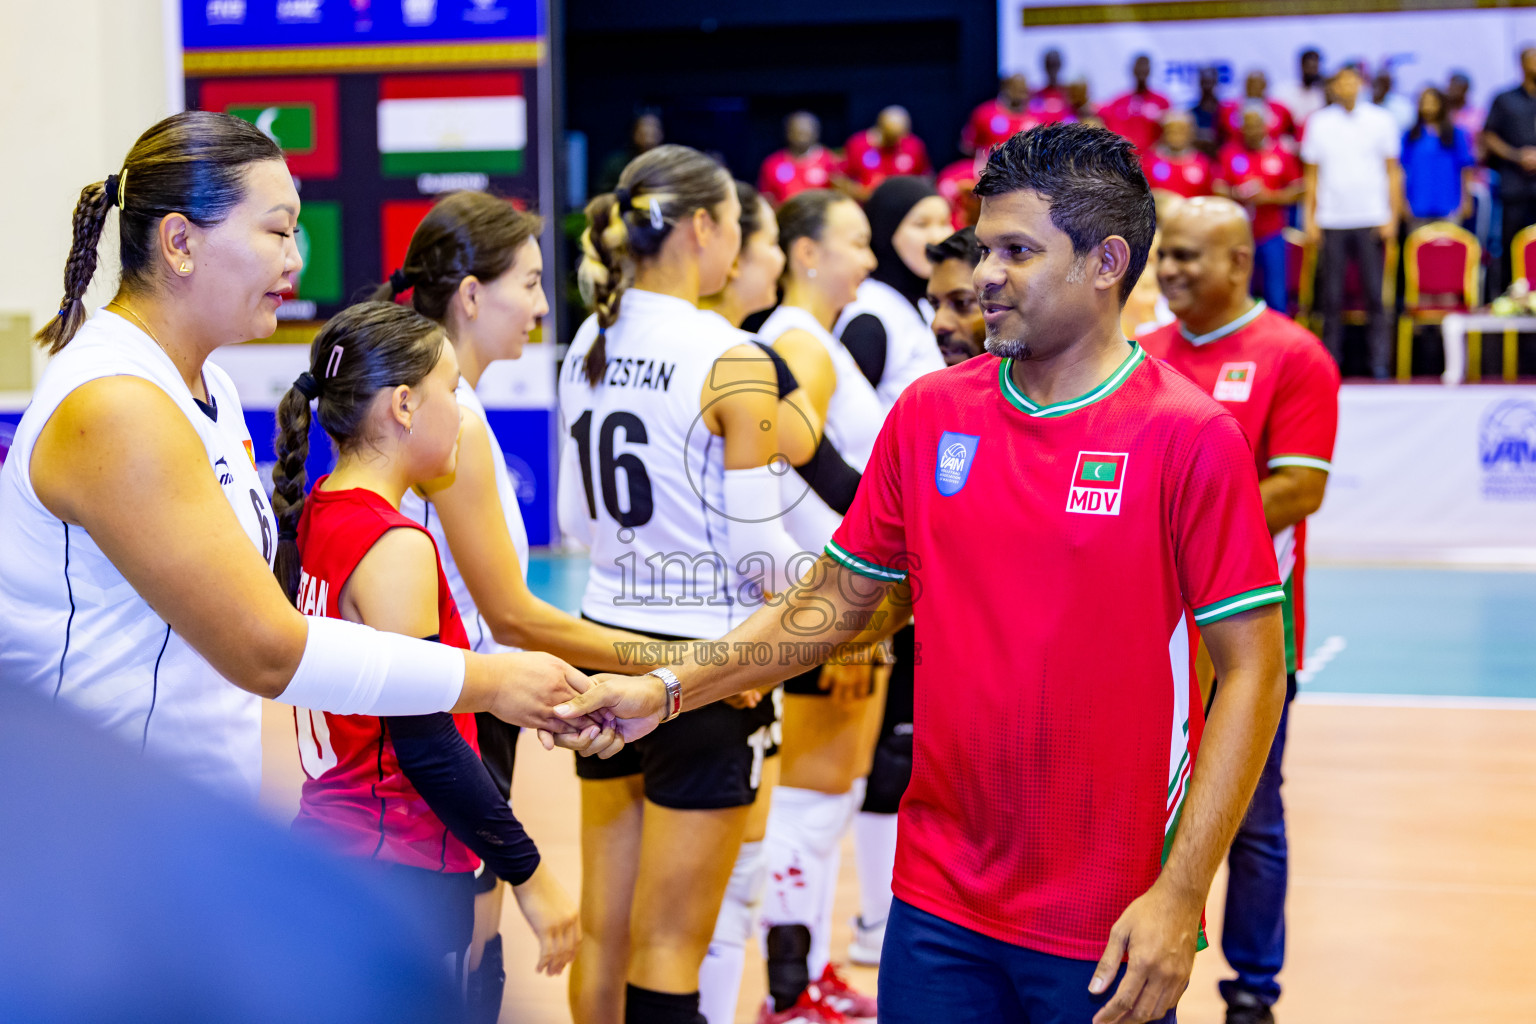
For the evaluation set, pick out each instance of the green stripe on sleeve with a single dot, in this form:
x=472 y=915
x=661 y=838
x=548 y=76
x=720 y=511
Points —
x=1243 y=602
x=862 y=566
x=1301 y=460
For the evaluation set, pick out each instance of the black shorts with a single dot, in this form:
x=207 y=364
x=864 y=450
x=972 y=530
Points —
x=441 y=903
x=498 y=749
x=708 y=759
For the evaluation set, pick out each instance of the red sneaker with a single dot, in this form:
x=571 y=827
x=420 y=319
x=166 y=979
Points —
x=844 y=998
x=808 y=1009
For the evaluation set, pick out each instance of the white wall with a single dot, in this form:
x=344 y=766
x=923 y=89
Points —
x=81 y=79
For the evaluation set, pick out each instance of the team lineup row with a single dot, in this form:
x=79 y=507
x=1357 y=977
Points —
x=834 y=427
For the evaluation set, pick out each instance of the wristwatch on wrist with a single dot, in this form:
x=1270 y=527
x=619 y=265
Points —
x=674 y=686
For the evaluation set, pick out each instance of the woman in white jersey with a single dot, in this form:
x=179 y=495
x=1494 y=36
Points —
x=135 y=580
x=885 y=327
x=474 y=267
x=830 y=715
x=669 y=420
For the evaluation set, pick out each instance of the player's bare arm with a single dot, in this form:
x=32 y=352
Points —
x=1290 y=494
x=1157 y=934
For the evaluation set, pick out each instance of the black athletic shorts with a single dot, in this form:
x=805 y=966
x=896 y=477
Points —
x=498 y=749
x=707 y=759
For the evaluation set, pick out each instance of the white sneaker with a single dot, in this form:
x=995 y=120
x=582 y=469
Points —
x=864 y=950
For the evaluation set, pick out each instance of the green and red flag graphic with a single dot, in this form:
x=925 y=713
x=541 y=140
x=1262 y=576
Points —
x=299 y=114
x=319 y=239
x=398 y=220
x=442 y=124
x=1098 y=479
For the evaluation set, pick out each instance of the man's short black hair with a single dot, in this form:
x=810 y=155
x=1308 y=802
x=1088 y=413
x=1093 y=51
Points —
x=1092 y=180
x=959 y=246
x=1304 y=54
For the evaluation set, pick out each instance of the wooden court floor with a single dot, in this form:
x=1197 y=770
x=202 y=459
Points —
x=1413 y=869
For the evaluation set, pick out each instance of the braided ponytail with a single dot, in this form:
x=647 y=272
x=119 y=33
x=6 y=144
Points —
x=90 y=217
x=606 y=272
x=659 y=189
x=288 y=486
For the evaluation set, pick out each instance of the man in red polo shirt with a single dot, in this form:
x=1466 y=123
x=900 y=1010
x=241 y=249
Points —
x=1050 y=103
x=887 y=149
x=1061 y=512
x=998 y=119
x=1138 y=114
x=1283 y=387
x=1266 y=179
x=1174 y=164
x=802 y=164
x=1278 y=123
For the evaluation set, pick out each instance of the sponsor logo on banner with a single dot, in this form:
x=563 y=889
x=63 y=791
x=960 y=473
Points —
x=298 y=12
x=1506 y=444
x=418 y=13
x=1098 y=481
x=485 y=12
x=1235 y=382
x=957 y=452
x=225 y=12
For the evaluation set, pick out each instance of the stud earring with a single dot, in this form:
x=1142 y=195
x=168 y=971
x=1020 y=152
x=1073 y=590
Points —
x=186 y=267
x=811 y=272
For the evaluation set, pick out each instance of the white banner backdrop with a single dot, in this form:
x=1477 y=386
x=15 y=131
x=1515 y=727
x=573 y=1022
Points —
x=1422 y=47
x=1430 y=474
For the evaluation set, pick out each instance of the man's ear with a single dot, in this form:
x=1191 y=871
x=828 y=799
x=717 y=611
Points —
x=1114 y=262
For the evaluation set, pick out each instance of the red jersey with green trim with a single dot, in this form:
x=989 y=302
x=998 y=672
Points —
x=1057 y=555
x=1283 y=387
x=356 y=799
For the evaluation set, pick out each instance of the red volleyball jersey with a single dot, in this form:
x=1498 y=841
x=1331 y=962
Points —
x=868 y=163
x=1057 y=555
x=1051 y=105
x=1138 y=116
x=992 y=124
x=355 y=797
x=1245 y=170
x=1189 y=175
x=1277 y=118
x=1283 y=387
x=783 y=174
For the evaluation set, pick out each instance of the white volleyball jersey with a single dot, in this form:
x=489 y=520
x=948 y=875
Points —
x=854 y=417
x=910 y=349
x=74 y=630
x=651 y=475
x=480 y=638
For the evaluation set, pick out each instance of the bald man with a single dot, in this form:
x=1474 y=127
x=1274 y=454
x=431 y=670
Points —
x=1280 y=383
x=887 y=149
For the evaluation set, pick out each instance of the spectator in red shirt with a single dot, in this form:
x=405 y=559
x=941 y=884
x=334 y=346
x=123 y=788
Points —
x=1278 y=122
x=1174 y=164
x=1138 y=114
x=1265 y=178
x=999 y=119
x=1051 y=103
x=803 y=163
x=886 y=149
x=957 y=184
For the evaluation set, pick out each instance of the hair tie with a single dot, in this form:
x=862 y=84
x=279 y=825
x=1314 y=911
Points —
x=400 y=281
x=287 y=533
x=112 y=182
x=306 y=385
x=625 y=198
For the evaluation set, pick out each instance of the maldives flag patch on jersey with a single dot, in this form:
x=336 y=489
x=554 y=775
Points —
x=1235 y=382
x=956 y=453
x=1097 y=482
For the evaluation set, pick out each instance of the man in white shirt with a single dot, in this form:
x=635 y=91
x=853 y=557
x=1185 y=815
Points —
x=1305 y=97
x=1353 y=203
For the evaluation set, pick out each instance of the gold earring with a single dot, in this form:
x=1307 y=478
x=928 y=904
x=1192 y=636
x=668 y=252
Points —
x=186 y=266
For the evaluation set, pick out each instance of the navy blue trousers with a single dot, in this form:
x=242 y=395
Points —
x=934 y=971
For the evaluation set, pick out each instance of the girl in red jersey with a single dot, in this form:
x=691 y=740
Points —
x=407 y=793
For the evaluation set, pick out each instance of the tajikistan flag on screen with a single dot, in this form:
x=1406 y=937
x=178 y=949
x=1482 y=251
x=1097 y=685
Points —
x=438 y=124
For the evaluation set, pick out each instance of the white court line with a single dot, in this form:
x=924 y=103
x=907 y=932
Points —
x=1416 y=700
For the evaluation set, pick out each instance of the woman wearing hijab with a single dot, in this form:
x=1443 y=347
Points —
x=886 y=326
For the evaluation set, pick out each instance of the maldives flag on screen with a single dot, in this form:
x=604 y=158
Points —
x=439 y=124
x=299 y=114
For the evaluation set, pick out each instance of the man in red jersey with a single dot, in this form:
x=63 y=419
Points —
x=1278 y=123
x=1174 y=164
x=1266 y=178
x=998 y=119
x=802 y=164
x=1050 y=102
x=1283 y=387
x=1138 y=114
x=887 y=149
x=1059 y=511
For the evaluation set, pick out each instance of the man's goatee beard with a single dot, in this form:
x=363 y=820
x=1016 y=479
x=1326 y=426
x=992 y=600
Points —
x=1007 y=348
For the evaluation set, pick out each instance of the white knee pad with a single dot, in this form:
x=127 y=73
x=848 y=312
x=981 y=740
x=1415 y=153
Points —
x=734 y=924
